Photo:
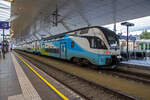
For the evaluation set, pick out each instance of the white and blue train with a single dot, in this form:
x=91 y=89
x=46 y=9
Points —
x=95 y=45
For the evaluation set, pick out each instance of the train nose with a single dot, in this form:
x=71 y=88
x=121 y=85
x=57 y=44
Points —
x=113 y=60
x=108 y=61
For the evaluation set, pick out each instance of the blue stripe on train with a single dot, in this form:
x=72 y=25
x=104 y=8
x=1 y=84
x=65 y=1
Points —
x=77 y=51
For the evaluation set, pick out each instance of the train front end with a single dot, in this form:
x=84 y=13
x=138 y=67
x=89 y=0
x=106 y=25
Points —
x=112 y=53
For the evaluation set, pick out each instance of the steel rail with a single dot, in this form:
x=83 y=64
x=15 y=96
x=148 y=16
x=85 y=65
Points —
x=117 y=93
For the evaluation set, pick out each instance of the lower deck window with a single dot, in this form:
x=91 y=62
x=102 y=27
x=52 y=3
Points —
x=52 y=50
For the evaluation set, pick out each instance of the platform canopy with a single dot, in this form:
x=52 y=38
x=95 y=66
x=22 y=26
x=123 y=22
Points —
x=41 y=18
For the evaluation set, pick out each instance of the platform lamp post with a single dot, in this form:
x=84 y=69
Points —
x=127 y=24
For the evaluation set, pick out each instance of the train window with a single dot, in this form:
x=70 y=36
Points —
x=52 y=50
x=72 y=44
x=111 y=37
x=75 y=33
x=84 y=31
x=95 y=42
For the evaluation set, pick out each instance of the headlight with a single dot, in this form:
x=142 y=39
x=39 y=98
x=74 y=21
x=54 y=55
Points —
x=119 y=57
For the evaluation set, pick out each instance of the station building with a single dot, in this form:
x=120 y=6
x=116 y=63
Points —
x=138 y=48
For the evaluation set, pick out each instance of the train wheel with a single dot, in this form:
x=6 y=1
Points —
x=80 y=61
x=75 y=60
x=85 y=61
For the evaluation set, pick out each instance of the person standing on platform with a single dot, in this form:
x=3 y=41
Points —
x=1 y=50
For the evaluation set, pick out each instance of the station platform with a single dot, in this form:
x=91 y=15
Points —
x=144 y=62
x=20 y=80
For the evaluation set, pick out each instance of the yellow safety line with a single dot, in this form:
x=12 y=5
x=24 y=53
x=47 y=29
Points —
x=51 y=86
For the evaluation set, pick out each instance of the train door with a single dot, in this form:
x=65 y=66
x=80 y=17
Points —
x=63 y=50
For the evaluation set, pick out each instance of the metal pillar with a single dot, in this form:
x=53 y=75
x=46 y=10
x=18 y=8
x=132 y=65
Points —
x=127 y=24
x=134 y=49
x=127 y=42
x=115 y=29
x=114 y=6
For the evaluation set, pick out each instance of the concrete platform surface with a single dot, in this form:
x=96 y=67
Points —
x=20 y=82
x=145 y=62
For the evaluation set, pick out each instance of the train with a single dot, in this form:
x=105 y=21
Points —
x=89 y=45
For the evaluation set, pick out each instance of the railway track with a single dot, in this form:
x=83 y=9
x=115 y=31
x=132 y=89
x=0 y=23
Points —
x=140 y=67
x=95 y=90
x=87 y=89
x=135 y=76
x=136 y=73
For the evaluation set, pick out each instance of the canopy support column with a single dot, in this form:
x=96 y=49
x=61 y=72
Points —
x=114 y=7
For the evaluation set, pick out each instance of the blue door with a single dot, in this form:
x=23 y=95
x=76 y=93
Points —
x=63 y=51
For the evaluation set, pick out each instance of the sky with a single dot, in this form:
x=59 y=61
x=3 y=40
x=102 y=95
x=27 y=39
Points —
x=140 y=23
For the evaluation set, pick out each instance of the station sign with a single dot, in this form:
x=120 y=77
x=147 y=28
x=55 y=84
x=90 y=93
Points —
x=4 y=25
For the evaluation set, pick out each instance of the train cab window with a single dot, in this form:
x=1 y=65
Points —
x=72 y=44
x=112 y=38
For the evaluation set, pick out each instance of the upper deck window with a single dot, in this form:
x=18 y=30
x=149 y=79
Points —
x=84 y=31
x=95 y=42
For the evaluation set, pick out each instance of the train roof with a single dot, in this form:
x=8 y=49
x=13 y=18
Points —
x=63 y=34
